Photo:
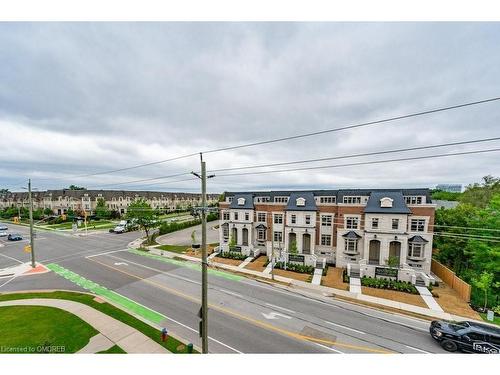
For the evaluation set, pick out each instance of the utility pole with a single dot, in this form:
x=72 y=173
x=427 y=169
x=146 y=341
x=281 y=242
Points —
x=204 y=262
x=31 y=225
x=272 y=247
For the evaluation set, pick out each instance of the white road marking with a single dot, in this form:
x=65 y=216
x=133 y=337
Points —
x=230 y=293
x=8 y=281
x=281 y=308
x=327 y=347
x=418 y=350
x=121 y=264
x=17 y=260
x=344 y=327
x=105 y=253
x=275 y=315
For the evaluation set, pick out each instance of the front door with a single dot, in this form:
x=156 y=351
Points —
x=374 y=253
x=245 y=236
x=306 y=243
x=395 y=250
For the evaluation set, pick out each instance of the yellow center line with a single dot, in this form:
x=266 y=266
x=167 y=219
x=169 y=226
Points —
x=243 y=317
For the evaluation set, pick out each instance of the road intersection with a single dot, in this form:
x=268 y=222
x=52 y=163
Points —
x=245 y=316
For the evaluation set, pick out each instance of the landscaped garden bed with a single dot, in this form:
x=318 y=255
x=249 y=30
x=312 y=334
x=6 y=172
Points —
x=258 y=264
x=400 y=286
x=232 y=255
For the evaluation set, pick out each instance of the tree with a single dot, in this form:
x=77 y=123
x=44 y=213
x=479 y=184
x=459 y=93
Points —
x=232 y=242
x=484 y=283
x=293 y=247
x=480 y=194
x=140 y=212
x=101 y=211
x=393 y=261
x=74 y=187
x=47 y=211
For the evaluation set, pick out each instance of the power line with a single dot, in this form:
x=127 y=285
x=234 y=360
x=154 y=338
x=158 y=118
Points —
x=359 y=163
x=465 y=237
x=358 y=155
x=303 y=135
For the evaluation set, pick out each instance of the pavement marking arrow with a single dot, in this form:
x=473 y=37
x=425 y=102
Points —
x=275 y=315
x=121 y=264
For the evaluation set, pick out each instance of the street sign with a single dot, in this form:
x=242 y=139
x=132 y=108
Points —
x=27 y=249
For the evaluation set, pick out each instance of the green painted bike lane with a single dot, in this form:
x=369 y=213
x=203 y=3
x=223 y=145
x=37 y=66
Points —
x=110 y=295
x=193 y=266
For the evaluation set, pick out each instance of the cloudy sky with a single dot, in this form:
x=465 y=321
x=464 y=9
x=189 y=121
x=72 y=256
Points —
x=78 y=98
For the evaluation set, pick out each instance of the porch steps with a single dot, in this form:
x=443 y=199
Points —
x=316 y=280
x=419 y=282
x=245 y=262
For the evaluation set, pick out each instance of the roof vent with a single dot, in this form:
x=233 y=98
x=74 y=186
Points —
x=386 y=202
x=300 y=202
x=241 y=201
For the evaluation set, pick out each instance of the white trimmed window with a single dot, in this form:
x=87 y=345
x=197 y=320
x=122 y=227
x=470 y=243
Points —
x=225 y=231
x=308 y=219
x=416 y=250
x=293 y=219
x=225 y=215
x=351 y=245
x=326 y=220
x=247 y=216
x=261 y=217
x=326 y=240
x=261 y=234
x=236 y=216
x=352 y=222
x=417 y=225
x=413 y=200
x=280 y=199
x=278 y=219
x=278 y=237
x=395 y=223
x=374 y=222
x=352 y=200
x=327 y=199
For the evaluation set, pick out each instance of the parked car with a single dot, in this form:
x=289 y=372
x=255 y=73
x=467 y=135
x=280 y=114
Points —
x=3 y=233
x=120 y=229
x=14 y=237
x=3 y=227
x=466 y=336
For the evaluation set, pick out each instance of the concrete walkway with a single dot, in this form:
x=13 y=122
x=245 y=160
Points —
x=116 y=332
x=245 y=262
x=355 y=285
x=428 y=298
x=316 y=280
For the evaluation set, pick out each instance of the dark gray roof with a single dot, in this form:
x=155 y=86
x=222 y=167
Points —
x=417 y=239
x=248 y=201
x=351 y=235
x=261 y=226
x=398 y=205
x=310 y=204
x=338 y=193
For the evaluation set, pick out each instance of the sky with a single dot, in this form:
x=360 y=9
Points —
x=79 y=98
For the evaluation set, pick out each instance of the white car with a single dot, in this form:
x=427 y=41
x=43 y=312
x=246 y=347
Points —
x=119 y=229
x=3 y=233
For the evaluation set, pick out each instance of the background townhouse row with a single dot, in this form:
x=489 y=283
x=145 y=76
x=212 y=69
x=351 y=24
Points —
x=357 y=229
x=59 y=201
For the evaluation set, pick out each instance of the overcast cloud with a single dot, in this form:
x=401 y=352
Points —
x=77 y=98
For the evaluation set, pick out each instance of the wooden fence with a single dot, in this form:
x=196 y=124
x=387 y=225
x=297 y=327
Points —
x=448 y=276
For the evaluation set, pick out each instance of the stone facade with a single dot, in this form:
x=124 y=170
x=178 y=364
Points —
x=361 y=230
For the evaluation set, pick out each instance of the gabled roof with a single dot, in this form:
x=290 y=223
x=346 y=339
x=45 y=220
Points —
x=398 y=203
x=351 y=235
x=261 y=226
x=310 y=204
x=248 y=202
x=417 y=239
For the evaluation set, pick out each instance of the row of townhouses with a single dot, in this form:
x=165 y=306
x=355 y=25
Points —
x=355 y=229
x=59 y=201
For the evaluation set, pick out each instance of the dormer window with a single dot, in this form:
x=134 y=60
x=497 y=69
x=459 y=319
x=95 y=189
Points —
x=300 y=202
x=386 y=202
x=241 y=201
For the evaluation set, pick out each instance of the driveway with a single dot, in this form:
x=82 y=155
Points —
x=183 y=237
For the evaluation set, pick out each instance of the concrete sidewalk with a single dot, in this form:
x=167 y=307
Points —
x=112 y=331
x=321 y=290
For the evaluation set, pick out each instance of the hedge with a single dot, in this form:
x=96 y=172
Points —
x=167 y=227
x=401 y=286
x=232 y=255
x=300 y=268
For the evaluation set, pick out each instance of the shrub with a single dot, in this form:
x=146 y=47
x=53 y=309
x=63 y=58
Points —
x=400 y=286
x=232 y=255
x=300 y=268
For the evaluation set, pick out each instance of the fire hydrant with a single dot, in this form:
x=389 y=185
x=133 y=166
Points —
x=164 y=333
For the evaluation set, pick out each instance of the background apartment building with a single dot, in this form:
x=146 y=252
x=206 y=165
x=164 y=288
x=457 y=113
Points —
x=357 y=229
x=59 y=201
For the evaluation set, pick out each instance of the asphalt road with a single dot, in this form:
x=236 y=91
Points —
x=183 y=237
x=245 y=316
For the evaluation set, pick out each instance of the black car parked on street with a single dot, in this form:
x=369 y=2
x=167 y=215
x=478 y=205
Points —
x=466 y=336
x=14 y=237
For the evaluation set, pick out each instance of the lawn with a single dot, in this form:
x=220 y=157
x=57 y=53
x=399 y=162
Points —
x=174 y=248
x=36 y=329
x=96 y=224
x=115 y=349
x=171 y=344
x=496 y=319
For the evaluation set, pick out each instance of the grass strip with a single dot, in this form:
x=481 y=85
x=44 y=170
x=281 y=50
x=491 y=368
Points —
x=196 y=267
x=115 y=349
x=173 y=345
